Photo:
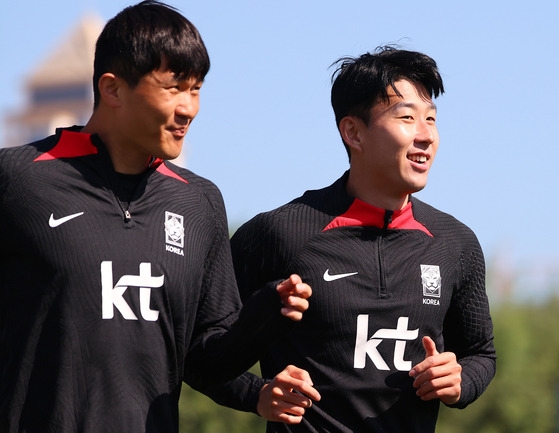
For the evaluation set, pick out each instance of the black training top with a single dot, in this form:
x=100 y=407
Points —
x=381 y=281
x=112 y=294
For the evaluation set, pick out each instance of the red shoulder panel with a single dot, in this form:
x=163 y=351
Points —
x=163 y=169
x=70 y=145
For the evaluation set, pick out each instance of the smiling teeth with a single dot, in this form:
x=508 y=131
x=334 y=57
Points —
x=418 y=158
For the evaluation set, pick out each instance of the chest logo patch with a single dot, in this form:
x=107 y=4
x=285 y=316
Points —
x=174 y=232
x=431 y=280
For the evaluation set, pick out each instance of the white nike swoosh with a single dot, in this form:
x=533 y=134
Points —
x=55 y=222
x=328 y=277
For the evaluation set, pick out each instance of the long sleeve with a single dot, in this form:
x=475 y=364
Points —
x=470 y=331
x=228 y=340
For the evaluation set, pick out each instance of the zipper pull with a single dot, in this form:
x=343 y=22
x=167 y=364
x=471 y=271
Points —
x=127 y=216
x=387 y=218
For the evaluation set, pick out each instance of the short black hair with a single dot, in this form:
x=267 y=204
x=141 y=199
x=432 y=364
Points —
x=360 y=82
x=141 y=37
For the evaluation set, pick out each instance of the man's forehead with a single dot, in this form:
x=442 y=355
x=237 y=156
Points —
x=406 y=95
x=176 y=76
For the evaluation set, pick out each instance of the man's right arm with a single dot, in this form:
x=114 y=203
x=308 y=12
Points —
x=283 y=399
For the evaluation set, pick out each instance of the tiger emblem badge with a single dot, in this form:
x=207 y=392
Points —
x=431 y=280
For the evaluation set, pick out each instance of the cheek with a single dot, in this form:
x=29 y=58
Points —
x=405 y=134
x=395 y=137
x=161 y=114
x=157 y=107
x=399 y=138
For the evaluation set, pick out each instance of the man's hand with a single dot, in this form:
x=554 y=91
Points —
x=294 y=294
x=281 y=400
x=438 y=376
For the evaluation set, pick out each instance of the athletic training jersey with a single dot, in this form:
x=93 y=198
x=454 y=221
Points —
x=381 y=281
x=107 y=305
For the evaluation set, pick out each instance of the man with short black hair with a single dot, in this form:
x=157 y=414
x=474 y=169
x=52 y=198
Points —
x=117 y=282
x=399 y=319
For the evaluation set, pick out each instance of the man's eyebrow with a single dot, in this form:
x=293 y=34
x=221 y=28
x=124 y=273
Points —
x=405 y=104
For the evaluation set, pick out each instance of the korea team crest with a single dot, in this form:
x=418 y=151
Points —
x=174 y=232
x=432 y=282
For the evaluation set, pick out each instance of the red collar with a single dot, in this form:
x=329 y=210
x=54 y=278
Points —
x=72 y=144
x=366 y=215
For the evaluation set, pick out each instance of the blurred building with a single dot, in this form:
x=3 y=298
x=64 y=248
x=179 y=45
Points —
x=58 y=92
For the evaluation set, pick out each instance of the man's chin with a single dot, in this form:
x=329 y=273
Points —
x=175 y=157
x=417 y=185
x=171 y=152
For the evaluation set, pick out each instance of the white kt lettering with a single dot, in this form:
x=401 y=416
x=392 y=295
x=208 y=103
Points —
x=112 y=295
x=365 y=346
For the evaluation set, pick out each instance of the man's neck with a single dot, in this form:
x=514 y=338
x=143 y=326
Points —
x=360 y=189
x=123 y=160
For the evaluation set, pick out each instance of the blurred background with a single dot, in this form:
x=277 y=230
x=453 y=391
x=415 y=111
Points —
x=266 y=133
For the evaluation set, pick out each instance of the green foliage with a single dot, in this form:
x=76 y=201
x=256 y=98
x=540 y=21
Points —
x=199 y=414
x=524 y=395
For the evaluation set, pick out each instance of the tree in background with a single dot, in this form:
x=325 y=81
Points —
x=524 y=395
x=199 y=414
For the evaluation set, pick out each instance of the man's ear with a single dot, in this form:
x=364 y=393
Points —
x=109 y=86
x=350 y=131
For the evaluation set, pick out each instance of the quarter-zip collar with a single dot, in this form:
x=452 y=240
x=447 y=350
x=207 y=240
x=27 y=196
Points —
x=363 y=214
x=72 y=143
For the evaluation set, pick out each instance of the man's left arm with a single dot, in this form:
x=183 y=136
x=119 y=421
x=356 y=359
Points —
x=285 y=398
x=229 y=337
x=223 y=352
x=460 y=374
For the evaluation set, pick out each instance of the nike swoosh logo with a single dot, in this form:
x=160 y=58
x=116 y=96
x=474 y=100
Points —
x=328 y=277
x=55 y=222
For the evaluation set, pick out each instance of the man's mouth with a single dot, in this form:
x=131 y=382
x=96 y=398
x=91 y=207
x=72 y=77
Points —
x=420 y=159
x=178 y=132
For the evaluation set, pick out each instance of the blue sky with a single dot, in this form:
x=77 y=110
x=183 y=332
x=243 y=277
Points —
x=266 y=132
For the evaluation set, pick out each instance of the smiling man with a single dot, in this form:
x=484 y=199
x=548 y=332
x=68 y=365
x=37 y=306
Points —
x=117 y=282
x=399 y=319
